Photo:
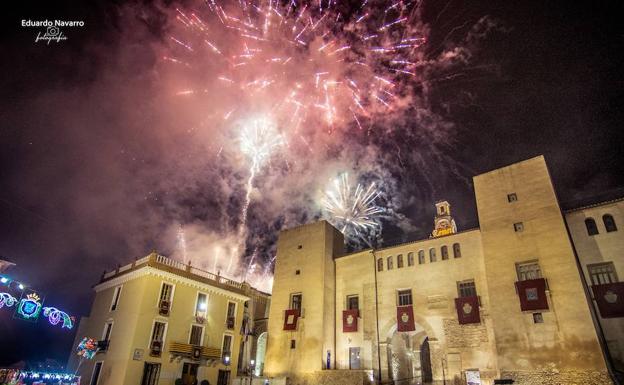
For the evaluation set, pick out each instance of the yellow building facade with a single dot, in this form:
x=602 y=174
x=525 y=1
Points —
x=159 y=320
x=502 y=301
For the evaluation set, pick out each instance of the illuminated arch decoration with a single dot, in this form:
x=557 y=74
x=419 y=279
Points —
x=7 y=300
x=29 y=307
x=55 y=316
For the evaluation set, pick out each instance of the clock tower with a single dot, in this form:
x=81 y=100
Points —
x=443 y=224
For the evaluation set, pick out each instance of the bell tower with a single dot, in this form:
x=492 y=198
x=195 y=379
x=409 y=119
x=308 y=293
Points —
x=443 y=224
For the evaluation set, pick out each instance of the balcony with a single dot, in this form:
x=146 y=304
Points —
x=179 y=350
x=163 y=263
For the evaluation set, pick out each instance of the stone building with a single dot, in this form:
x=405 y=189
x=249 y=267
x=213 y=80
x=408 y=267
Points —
x=158 y=320
x=502 y=301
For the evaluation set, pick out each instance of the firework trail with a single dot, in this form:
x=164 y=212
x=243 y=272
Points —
x=181 y=237
x=258 y=141
x=353 y=211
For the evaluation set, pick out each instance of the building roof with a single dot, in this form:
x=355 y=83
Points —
x=163 y=263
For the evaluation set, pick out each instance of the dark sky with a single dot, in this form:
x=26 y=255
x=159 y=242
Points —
x=548 y=80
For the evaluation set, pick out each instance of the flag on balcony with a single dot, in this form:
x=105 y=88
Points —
x=610 y=299
x=467 y=310
x=532 y=293
x=290 y=320
x=405 y=319
x=350 y=320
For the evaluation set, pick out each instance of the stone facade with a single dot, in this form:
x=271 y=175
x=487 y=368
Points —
x=521 y=227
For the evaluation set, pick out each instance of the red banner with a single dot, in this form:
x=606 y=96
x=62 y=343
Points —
x=610 y=299
x=532 y=294
x=350 y=320
x=467 y=310
x=290 y=320
x=405 y=319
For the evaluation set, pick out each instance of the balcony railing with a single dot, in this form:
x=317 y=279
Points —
x=164 y=263
x=194 y=352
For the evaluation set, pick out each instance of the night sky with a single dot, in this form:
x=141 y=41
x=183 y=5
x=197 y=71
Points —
x=87 y=155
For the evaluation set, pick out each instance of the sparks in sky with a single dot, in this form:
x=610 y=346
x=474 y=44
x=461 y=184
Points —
x=353 y=210
x=314 y=62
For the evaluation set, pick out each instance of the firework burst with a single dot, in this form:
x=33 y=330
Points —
x=353 y=211
x=303 y=61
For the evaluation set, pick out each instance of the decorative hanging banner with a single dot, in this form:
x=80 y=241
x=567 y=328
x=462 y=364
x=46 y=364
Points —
x=610 y=299
x=55 y=316
x=350 y=320
x=405 y=319
x=87 y=348
x=290 y=320
x=532 y=294
x=7 y=300
x=468 y=310
x=29 y=306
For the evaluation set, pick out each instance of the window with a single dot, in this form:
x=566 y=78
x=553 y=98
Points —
x=158 y=338
x=227 y=345
x=380 y=264
x=609 y=223
x=197 y=333
x=231 y=315
x=151 y=373
x=399 y=261
x=512 y=197
x=456 y=250
x=602 y=273
x=106 y=335
x=528 y=270
x=295 y=301
x=405 y=297
x=300 y=247
x=390 y=264
x=297 y=272
x=292 y=344
x=590 y=224
x=466 y=289
x=432 y=255
x=421 y=257
x=115 y=302
x=202 y=305
x=444 y=252
x=353 y=302
x=410 y=259
x=538 y=318
x=164 y=303
x=95 y=377
x=518 y=227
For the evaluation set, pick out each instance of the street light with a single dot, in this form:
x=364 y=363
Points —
x=4 y=280
x=252 y=364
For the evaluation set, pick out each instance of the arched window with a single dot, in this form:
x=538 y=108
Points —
x=390 y=264
x=432 y=255
x=456 y=250
x=410 y=259
x=592 y=229
x=380 y=264
x=609 y=223
x=421 y=257
x=399 y=261
x=444 y=252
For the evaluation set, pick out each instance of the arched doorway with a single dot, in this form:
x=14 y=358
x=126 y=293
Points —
x=409 y=358
x=260 y=351
x=425 y=362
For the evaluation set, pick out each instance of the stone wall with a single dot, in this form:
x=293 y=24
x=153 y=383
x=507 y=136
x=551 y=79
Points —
x=557 y=377
x=464 y=336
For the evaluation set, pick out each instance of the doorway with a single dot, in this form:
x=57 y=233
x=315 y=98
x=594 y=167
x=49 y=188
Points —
x=425 y=361
x=224 y=377
x=189 y=373
x=354 y=358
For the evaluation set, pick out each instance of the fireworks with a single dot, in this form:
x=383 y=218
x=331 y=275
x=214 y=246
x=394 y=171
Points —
x=318 y=62
x=354 y=212
x=258 y=140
